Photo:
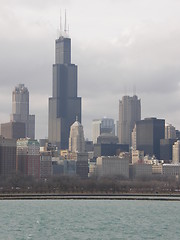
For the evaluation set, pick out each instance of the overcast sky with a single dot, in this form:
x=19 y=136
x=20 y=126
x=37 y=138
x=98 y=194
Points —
x=120 y=47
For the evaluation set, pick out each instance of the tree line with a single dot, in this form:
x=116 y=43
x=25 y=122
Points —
x=104 y=185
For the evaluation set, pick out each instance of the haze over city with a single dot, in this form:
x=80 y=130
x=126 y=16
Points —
x=119 y=46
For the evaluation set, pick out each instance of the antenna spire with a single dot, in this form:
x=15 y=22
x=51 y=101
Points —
x=65 y=23
x=60 y=23
x=63 y=32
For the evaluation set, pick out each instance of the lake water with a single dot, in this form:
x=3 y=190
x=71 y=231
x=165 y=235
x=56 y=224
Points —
x=89 y=219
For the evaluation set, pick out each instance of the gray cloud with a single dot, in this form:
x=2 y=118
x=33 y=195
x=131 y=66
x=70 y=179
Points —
x=116 y=47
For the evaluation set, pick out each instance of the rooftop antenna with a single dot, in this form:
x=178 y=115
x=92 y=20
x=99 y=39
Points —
x=60 y=23
x=65 y=23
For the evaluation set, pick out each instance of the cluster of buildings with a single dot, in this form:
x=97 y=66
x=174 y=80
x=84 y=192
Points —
x=130 y=148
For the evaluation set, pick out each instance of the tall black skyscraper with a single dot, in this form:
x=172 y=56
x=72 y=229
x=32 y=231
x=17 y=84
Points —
x=64 y=106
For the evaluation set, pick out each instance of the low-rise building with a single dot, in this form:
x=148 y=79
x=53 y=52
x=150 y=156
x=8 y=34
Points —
x=113 y=166
x=171 y=170
x=140 y=170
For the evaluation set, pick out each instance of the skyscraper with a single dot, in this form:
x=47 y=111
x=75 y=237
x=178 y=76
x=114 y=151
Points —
x=76 y=138
x=20 y=110
x=129 y=113
x=7 y=157
x=176 y=153
x=100 y=126
x=170 y=131
x=147 y=134
x=64 y=105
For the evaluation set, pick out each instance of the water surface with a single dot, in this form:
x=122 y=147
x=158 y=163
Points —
x=89 y=219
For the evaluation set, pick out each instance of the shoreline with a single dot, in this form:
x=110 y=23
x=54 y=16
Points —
x=49 y=196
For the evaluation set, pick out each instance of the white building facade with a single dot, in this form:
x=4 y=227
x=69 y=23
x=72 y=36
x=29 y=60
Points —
x=176 y=153
x=76 y=138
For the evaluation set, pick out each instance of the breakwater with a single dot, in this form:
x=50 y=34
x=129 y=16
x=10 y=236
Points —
x=50 y=196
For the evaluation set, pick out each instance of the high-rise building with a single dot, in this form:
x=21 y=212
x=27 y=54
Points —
x=7 y=156
x=20 y=110
x=170 y=131
x=176 y=153
x=148 y=133
x=64 y=105
x=129 y=113
x=14 y=130
x=28 y=157
x=100 y=126
x=166 y=146
x=76 y=138
x=45 y=164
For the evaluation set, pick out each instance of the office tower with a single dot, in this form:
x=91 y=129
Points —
x=76 y=138
x=148 y=133
x=45 y=164
x=14 y=130
x=28 y=157
x=20 y=110
x=170 y=131
x=64 y=105
x=133 y=138
x=176 y=153
x=7 y=157
x=129 y=113
x=82 y=165
x=100 y=126
x=166 y=146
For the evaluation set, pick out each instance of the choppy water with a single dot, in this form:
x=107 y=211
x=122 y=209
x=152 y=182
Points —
x=89 y=219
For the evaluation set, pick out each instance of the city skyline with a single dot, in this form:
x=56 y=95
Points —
x=116 y=49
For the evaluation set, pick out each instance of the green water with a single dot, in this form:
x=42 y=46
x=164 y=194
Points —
x=89 y=219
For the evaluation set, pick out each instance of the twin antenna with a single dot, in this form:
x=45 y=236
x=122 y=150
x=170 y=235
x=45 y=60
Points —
x=64 y=32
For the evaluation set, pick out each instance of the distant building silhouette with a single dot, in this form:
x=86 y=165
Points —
x=20 y=110
x=64 y=105
x=129 y=113
x=101 y=126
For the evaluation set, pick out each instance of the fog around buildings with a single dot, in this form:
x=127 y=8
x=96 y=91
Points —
x=121 y=46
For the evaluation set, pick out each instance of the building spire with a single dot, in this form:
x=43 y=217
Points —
x=60 y=24
x=65 y=23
